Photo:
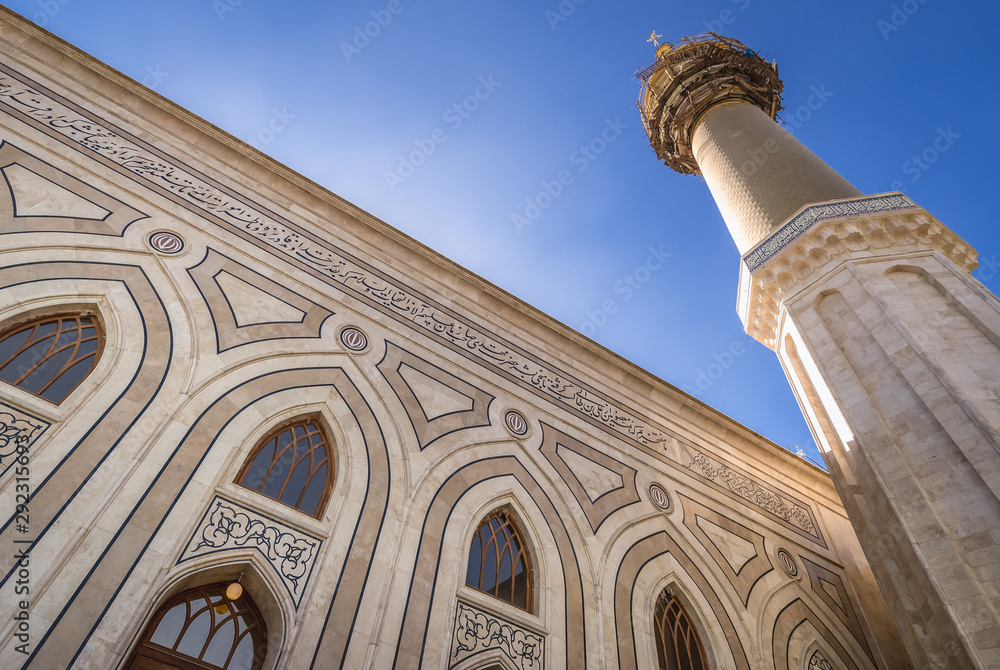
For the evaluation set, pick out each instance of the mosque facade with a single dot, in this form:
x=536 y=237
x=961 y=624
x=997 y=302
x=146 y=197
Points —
x=244 y=424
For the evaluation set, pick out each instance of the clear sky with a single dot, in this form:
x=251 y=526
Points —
x=447 y=119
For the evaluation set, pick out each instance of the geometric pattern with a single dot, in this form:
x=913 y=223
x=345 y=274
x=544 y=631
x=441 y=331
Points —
x=248 y=307
x=229 y=525
x=601 y=484
x=792 y=513
x=829 y=586
x=43 y=198
x=477 y=631
x=326 y=260
x=737 y=550
x=810 y=215
x=436 y=402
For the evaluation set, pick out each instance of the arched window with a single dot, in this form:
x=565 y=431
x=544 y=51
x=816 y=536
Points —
x=51 y=355
x=499 y=563
x=202 y=628
x=677 y=644
x=292 y=465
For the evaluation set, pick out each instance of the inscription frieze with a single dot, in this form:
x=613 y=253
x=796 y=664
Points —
x=339 y=267
x=322 y=257
x=810 y=215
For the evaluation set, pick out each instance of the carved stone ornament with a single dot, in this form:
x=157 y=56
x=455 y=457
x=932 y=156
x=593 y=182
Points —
x=229 y=525
x=787 y=563
x=818 y=662
x=353 y=339
x=659 y=496
x=166 y=242
x=17 y=429
x=477 y=631
x=287 y=240
x=516 y=423
x=789 y=511
x=814 y=242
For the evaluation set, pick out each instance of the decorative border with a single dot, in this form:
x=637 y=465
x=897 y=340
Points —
x=797 y=516
x=195 y=191
x=330 y=261
x=17 y=429
x=477 y=631
x=806 y=218
x=229 y=525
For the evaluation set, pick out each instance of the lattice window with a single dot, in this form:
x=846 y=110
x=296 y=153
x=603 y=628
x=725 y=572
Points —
x=50 y=356
x=292 y=465
x=499 y=563
x=677 y=644
x=201 y=628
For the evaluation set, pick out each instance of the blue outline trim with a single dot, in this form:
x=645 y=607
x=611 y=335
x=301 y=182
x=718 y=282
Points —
x=800 y=223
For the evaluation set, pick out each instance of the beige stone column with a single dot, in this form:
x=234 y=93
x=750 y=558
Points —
x=893 y=351
x=758 y=173
x=891 y=347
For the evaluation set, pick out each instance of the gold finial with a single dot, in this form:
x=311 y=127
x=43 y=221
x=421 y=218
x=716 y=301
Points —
x=654 y=38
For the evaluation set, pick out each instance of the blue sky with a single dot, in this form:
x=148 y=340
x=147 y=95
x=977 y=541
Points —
x=448 y=119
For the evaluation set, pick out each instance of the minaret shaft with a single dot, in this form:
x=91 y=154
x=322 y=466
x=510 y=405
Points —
x=759 y=174
x=890 y=345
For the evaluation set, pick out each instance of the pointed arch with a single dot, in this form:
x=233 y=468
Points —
x=49 y=356
x=292 y=464
x=678 y=645
x=651 y=563
x=203 y=628
x=487 y=660
x=499 y=561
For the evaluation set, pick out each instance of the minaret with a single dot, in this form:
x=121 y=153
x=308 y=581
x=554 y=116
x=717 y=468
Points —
x=891 y=347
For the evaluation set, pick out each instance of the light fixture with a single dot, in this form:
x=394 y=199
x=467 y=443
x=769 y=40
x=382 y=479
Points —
x=235 y=590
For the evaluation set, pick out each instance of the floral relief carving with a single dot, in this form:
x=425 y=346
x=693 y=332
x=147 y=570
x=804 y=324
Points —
x=477 y=631
x=17 y=429
x=228 y=525
x=818 y=662
x=755 y=493
x=324 y=258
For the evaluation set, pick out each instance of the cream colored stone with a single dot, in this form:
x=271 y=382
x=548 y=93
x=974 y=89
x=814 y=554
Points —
x=396 y=531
